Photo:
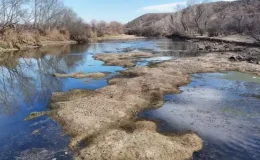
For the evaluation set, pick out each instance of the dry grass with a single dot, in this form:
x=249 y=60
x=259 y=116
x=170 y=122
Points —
x=143 y=143
x=80 y=75
x=55 y=35
x=30 y=38
x=119 y=59
x=103 y=112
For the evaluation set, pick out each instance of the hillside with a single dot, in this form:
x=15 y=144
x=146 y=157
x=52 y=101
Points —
x=147 y=19
x=209 y=18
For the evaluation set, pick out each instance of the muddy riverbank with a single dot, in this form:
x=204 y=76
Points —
x=111 y=111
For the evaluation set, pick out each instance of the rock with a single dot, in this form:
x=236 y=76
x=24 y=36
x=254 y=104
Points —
x=250 y=61
x=127 y=49
x=208 y=47
x=35 y=132
x=232 y=58
x=237 y=49
x=240 y=58
x=201 y=47
x=226 y=46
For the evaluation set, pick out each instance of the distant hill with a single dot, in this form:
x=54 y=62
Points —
x=213 y=18
x=147 y=19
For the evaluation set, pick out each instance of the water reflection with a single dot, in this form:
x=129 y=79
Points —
x=26 y=84
x=26 y=75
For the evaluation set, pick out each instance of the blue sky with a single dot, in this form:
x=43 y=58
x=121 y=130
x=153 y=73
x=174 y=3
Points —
x=120 y=10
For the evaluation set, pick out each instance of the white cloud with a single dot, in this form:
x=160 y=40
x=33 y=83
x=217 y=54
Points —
x=170 y=7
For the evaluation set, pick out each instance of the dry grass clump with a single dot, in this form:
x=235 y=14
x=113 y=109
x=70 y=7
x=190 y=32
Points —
x=22 y=39
x=71 y=95
x=3 y=44
x=122 y=59
x=34 y=115
x=80 y=75
x=143 y=143
x=55 y=35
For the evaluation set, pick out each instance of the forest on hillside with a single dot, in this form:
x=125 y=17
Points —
x=202 y=18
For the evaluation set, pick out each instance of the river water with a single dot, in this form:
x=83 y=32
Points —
x=26 y=85
x=223 y=108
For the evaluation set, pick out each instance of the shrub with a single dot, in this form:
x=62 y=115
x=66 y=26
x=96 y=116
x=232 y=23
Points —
x=56 y=35
x=212 y=32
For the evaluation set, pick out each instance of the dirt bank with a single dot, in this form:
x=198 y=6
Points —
x=104 y=122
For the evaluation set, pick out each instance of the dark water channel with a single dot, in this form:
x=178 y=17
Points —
x=223 y=108
x=26 y=85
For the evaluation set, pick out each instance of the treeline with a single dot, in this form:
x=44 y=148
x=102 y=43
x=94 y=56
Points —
x=212 y=19
x=36 y=20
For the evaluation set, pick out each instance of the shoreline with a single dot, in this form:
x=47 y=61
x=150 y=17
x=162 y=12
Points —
x=238 y=40
x=144 y=91
x=42 y=44
x=91 y=40
x=118 y=37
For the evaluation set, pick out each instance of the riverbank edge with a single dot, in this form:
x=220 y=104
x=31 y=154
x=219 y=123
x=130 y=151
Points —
x=69 y=42
x=117 y=37
x=41 y=44
x=240 y=42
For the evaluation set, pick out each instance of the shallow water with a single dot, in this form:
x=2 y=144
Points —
x=26 y=85
x=223 y=108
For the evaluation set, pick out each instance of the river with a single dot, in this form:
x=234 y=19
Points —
x=27 y=83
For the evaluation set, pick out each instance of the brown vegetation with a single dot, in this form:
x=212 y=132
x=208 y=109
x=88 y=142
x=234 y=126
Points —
x=80 y=75
x=143 y=143
x=103 y=121
x=25 y=24
x=119 y=59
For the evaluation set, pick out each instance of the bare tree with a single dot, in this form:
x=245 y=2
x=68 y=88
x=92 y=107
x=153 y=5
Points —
x=12 y=12
x=101 y=28
x=116 y=28
x=47 y=13
x=198 y=15
x=253 y=25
